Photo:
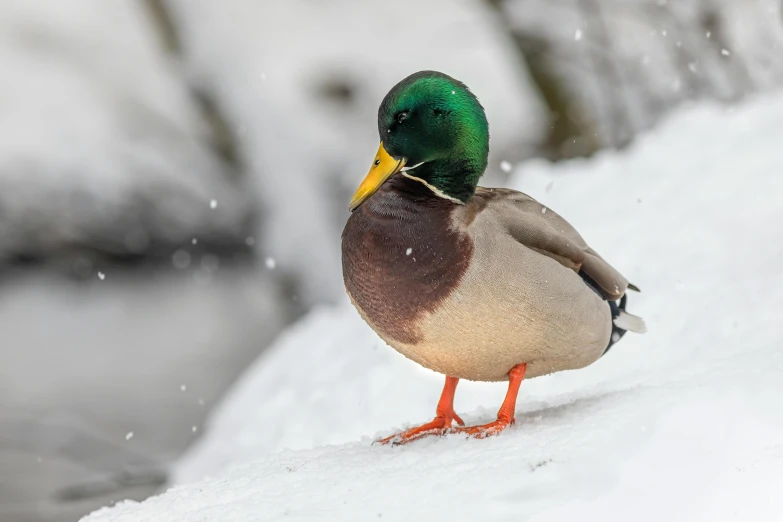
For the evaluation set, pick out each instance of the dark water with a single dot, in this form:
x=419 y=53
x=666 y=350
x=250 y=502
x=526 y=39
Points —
x=104 y=383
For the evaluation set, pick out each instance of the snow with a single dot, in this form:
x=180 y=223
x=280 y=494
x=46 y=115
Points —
x=682 y=424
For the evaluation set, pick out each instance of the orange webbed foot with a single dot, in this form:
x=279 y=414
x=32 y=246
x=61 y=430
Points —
x=438 y=426
x=506 y=413
x=485 y=430
x=444 y=416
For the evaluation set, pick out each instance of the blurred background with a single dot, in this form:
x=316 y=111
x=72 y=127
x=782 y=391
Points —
x=174 y=178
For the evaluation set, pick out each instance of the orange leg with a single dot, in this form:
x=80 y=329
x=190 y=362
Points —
x=444 y=415
x=506 y=413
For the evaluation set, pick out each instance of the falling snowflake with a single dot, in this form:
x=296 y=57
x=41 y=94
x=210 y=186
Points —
x=129 y=435
x=180 y=259
x=101 y=276
x=505 y=166
x=270 y=263
x=213 y=204
x=408 y=252
x=578 y=35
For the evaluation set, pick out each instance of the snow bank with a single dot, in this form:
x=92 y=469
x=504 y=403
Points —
x=683 y=423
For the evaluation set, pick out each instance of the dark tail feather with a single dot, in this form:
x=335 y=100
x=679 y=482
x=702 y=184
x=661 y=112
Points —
x=623 y=322
x=617 y=332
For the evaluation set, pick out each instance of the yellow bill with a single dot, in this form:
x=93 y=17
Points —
x=382 y=168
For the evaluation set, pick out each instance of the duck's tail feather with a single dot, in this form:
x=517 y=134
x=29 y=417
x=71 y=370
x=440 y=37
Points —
x=625 y=321
x=630 y=322
x=622 y=321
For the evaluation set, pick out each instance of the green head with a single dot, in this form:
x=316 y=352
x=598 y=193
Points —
x=435 y=126
x=432 y=119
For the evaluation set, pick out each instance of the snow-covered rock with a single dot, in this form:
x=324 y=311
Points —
x=683 y=423
x=625 y=64
x=101 y=145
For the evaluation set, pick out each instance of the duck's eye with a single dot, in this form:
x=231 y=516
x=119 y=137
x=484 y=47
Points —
x=401 y=117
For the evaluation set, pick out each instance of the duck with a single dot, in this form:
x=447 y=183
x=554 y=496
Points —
x=480 y=284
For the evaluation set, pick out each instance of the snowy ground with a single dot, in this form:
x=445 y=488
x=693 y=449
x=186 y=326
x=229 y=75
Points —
x=683 y=423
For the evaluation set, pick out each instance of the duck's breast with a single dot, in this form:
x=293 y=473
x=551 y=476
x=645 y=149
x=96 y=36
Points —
x=401 y=261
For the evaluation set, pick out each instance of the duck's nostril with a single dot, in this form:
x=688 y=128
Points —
x=377 y=162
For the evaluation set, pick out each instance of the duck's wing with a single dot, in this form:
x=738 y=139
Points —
x=543 y=230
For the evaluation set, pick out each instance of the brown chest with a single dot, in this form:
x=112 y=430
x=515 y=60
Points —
x=402 y=258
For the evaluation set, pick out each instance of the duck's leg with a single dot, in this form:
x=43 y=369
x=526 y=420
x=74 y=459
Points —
x=444 y=415
x=506 y=412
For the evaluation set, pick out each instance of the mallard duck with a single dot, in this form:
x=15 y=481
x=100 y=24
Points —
x=483 y=284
